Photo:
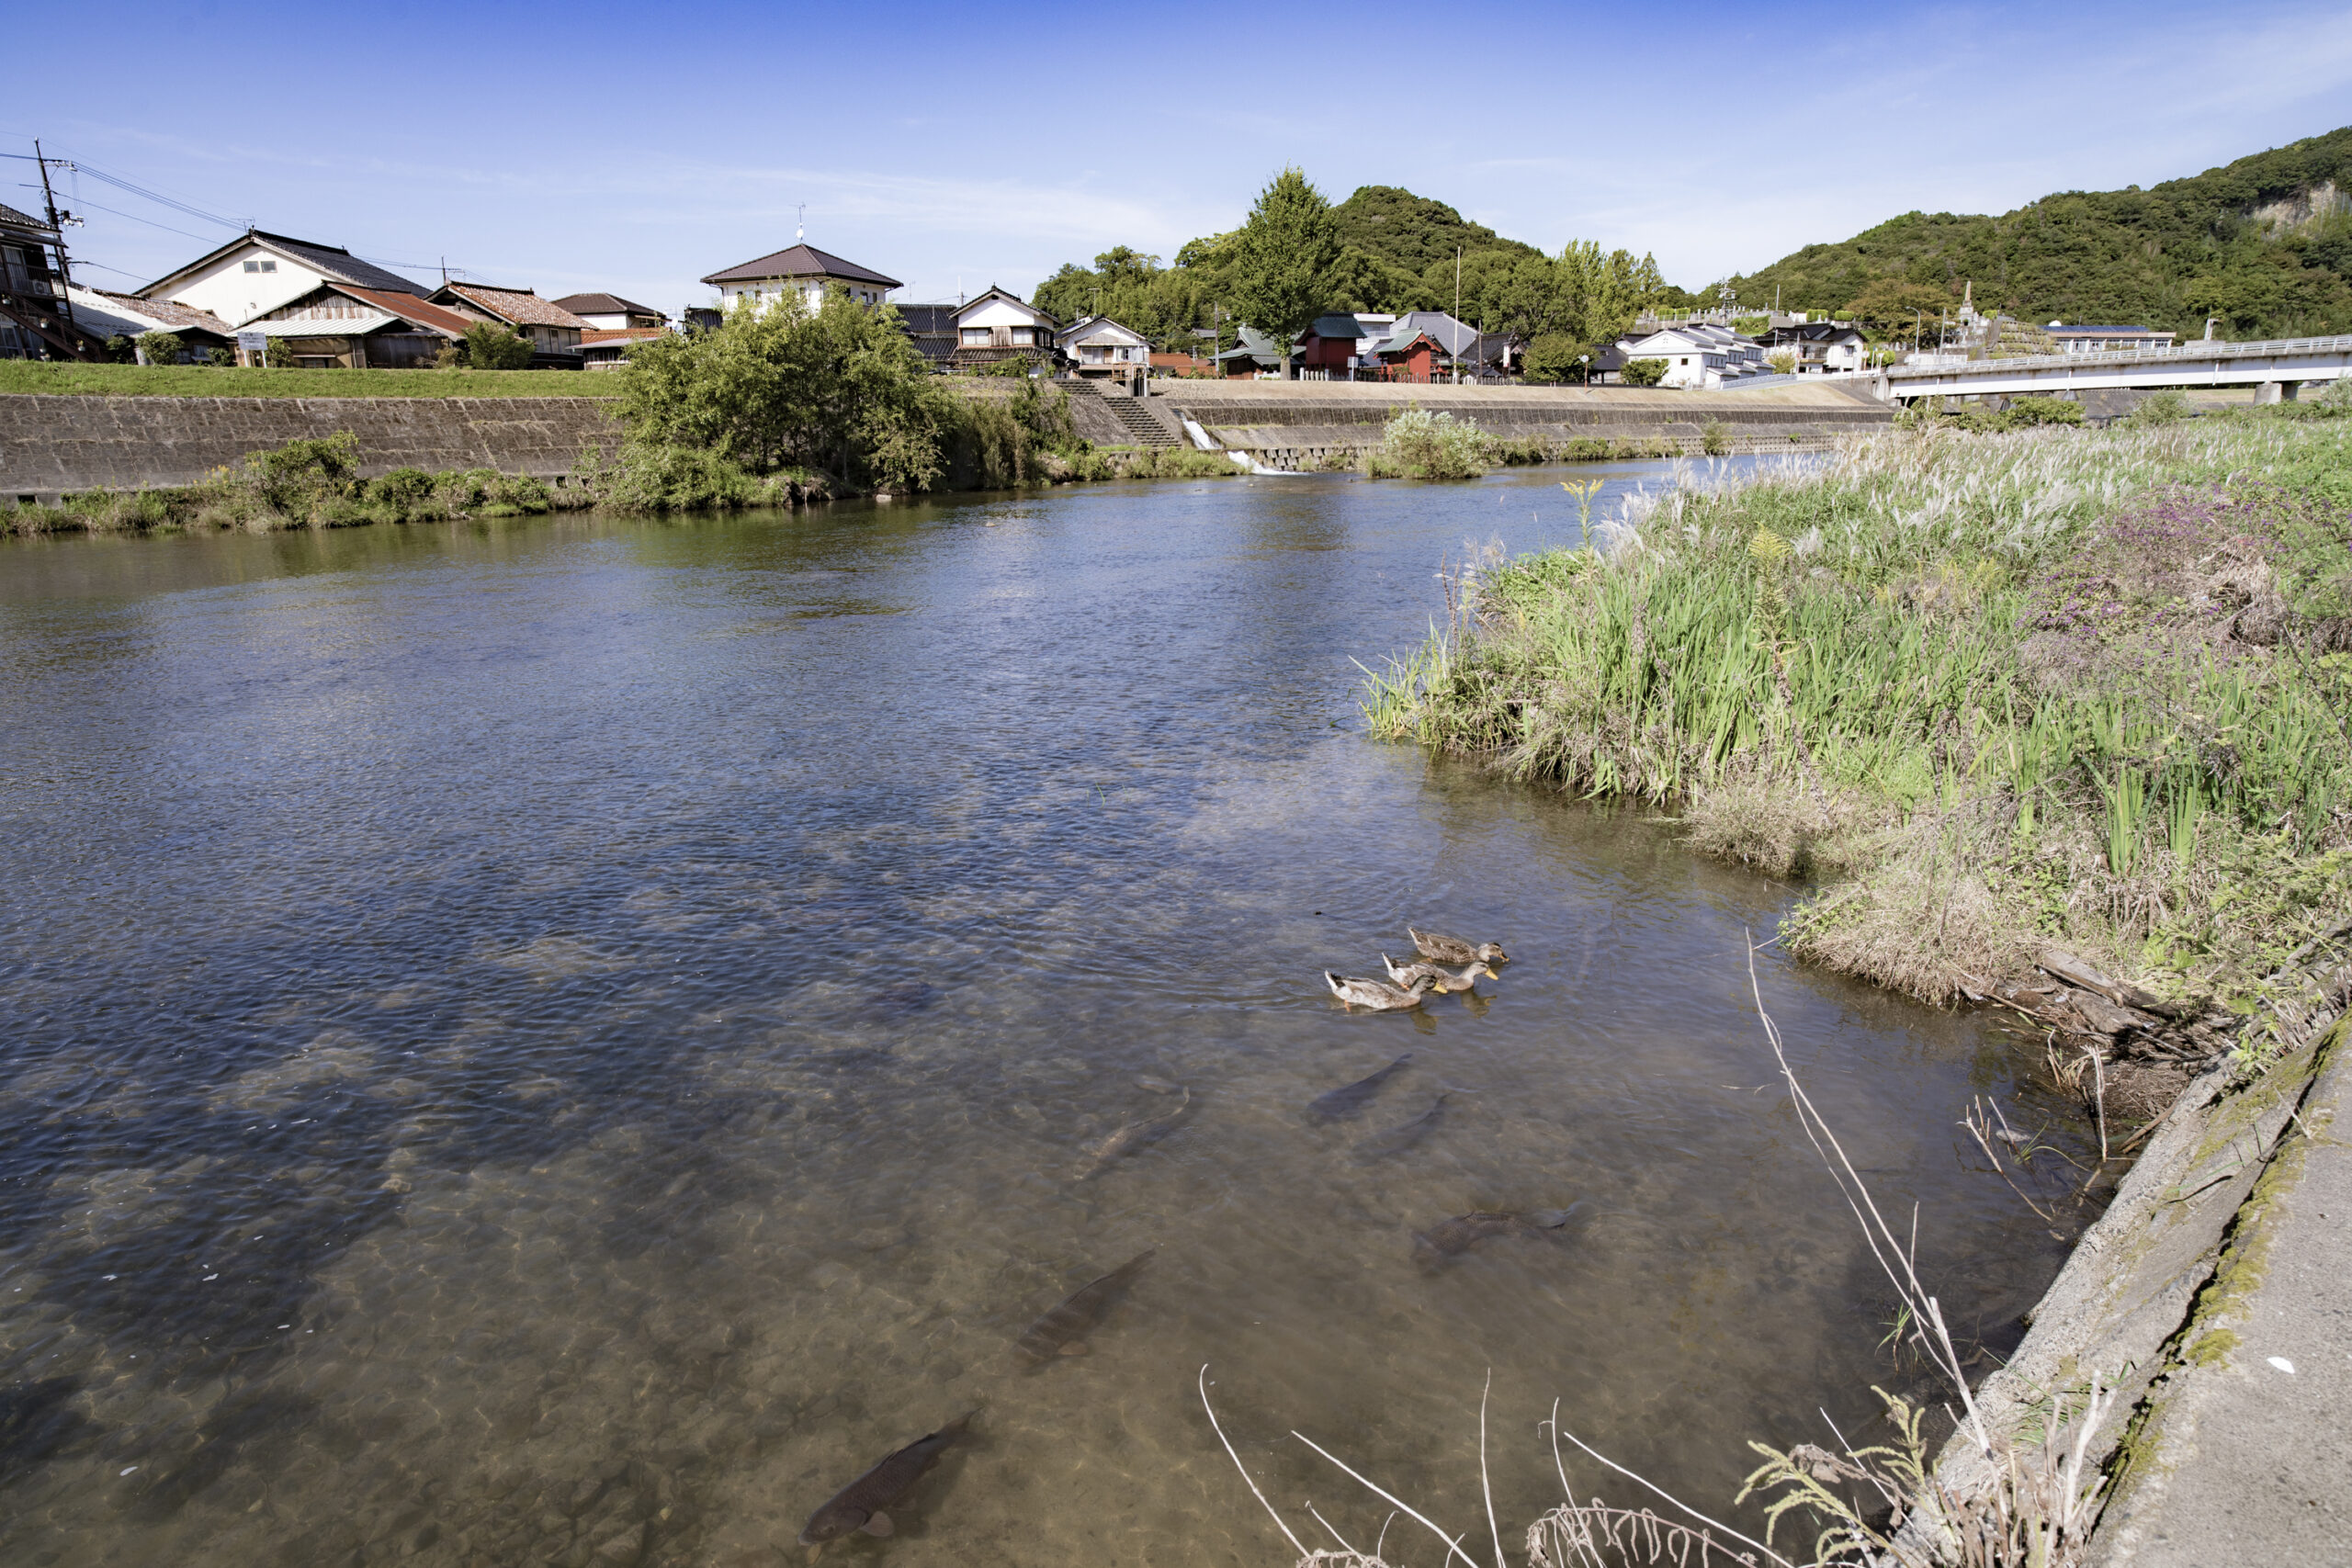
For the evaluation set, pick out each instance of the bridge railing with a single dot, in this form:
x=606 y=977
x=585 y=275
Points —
x=2201 y=348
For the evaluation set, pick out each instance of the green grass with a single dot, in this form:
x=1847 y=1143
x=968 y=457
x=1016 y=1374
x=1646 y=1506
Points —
x=1985 y=688
x=203 y=381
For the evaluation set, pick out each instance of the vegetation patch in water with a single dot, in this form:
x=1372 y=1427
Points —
x=1997 y=693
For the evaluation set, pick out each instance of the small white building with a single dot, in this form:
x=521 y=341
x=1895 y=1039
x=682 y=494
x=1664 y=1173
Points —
x=1699 y=354
x=802 y=270
x=999 y=325
x=1101 y=346
x=1822 y=348
x=611 y=313
x=256 y=273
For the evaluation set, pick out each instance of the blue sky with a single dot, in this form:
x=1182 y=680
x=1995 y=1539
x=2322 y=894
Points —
x=636 y=149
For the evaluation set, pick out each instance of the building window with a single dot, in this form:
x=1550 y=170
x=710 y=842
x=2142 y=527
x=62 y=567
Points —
x=976 y=337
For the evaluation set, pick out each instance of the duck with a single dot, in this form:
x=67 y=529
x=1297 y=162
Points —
x=1438 y=975
x=1453 y=949
x=1377 y=995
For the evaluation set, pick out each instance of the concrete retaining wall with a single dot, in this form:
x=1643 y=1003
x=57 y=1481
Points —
x=49 y=446
x=1297 y=424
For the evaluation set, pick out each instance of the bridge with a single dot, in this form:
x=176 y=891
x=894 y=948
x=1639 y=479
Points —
x=2277 y=369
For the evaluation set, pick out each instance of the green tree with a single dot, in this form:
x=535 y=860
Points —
x=489 y=345
x=1642 y=372
x=839 y=390
x=1281 y=273
x=1890 y=309
x=161 y=348
x=1554 y=357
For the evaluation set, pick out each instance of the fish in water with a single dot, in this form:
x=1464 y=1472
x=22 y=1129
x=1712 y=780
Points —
x=1063 y=1331
x=1451 y=1238
x=1134 y=1135
x=1453 y=949
x=1397 y=1139
x=859 y=1504
x=1348 y=1100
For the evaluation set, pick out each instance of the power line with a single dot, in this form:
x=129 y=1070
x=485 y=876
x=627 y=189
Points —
x=101 y=207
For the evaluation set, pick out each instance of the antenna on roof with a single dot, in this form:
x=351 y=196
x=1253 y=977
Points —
x=800 y=223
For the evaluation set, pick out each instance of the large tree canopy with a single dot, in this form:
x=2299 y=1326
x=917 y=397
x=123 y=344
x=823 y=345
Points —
x=1284 y=256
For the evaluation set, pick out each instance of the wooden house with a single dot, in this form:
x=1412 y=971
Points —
x=610 y=313
x=553 y=331
x=1413 y=355
x=336 y=325
x=36 y=310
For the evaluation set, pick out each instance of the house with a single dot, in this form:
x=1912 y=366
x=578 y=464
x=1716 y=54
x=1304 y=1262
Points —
x=1699 y=354
x=1101 y=346
x=1412 y=354
x=1334 y=344
x=1253 y=355
x=999 y=325
x=610 y=313
x=1821 y=348
x=109 y=314
x=931 y=329
x=2107 y=340
x=338 y=325
x=258 y=273
x=553 y=331
x=36 y=310
x=609 y=349
x=799 y=269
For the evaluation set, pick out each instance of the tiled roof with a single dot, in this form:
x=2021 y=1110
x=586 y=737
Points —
x=920 y=319
x=170 y=313
x=520 y=306
x=339 y=264
x=606 y=305
x=801 y=261
x=10 y=215
x=416 y=309
x=592 y=336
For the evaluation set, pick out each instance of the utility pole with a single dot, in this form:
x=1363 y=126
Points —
x=58 y=223
x=1457 y=312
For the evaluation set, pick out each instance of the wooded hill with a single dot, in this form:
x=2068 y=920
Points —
x=2265 y=243
x=1398 y=254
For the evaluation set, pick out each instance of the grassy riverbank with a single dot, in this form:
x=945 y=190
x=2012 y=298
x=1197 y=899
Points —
x=1993 y=691
x=20 y=376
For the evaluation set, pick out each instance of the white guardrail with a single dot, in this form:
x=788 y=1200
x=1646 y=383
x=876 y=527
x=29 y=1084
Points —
x=2201 y=348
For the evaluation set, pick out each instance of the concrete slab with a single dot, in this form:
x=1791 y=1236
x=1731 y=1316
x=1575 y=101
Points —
x=2248 y=1448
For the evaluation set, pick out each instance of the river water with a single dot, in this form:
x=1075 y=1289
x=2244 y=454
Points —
x=564 y=1041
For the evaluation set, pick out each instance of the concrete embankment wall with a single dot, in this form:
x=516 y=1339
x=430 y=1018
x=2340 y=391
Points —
x=2155 y=1298
x=1296 y=424
x=50 y=446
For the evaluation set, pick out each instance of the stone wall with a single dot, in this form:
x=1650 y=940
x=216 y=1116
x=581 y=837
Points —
x=50 y=446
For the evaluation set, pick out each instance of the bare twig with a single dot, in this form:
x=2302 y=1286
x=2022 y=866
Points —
x=1453 y=1542
x=1245 y=1468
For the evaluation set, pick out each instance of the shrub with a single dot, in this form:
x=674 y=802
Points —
x=1642 y=372
x=1714 y=438
x=119 y=350
x=220 y=357
x=491 y=346
x=403 y=493
x=2166 y=407
x=655 y=478
x=1555 y=357
x=2026 y=412
x=301 y=475
x=161 y=348
x=1424 y=446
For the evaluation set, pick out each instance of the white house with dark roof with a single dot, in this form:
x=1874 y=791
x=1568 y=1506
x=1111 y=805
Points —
x=999 y=325
x=800 y=269
x=1101 y=346
x=550 y=328
x=611 y=313
x=1699 y=354
x=256 y=273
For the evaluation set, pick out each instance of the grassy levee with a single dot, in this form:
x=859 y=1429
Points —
x=211 y=382
x=1992 y=693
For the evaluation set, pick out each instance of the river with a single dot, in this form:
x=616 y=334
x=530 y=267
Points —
x=564 y=1041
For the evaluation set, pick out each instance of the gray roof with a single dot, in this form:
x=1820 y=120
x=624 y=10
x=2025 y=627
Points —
x=333 y=260
x=1449 y=334
x=801 y=261
x=16 y=219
